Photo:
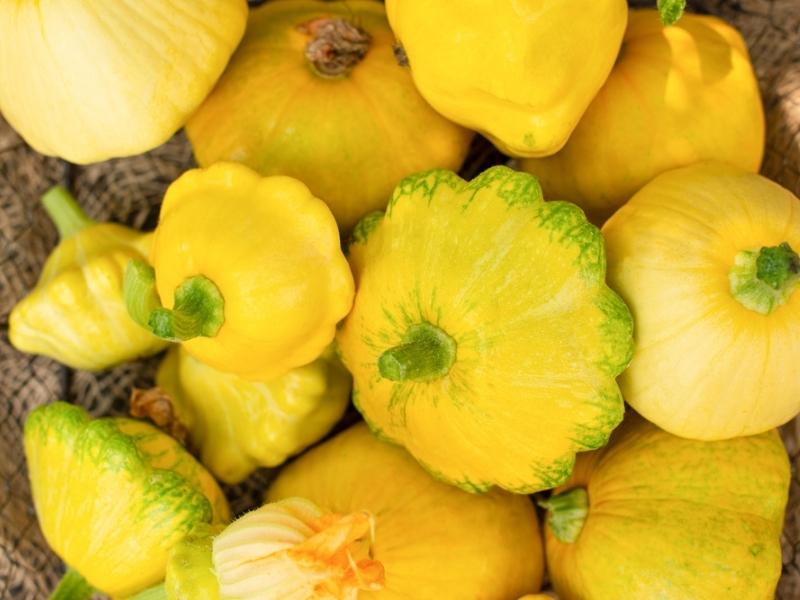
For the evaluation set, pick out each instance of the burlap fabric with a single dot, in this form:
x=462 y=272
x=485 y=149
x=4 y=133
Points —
x=129 y=191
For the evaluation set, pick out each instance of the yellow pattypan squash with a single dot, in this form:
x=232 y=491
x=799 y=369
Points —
x=249 y=270
x=89 y=80
x=706 y=257
x=238 y=425
x=76 y=314
x=653 y=515
x=676 y=96
x=113 y=496
x=359 y=518
x=483 y=328
x=521 y=72
x=316 y=93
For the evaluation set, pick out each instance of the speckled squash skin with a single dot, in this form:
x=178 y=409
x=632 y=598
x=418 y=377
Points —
x=350 y=138
x=521 y=72
x=706 y=366
x=114 y=495
x=89 y=80
x=677 y=95
x=435 y=542
x=675 y=518
x=518 y=286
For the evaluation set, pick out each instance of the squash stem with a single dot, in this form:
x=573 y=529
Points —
x=336 y=46
x=670 y=10
x=198 y=309
x=64 y=210
x=566 y=513
x=762 y=280
x=426 y=353
x=72 y=587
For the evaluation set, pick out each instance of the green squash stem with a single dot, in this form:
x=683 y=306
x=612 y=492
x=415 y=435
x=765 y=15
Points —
x=762 y=280
x=158 y=592
x=64 y=210
x=72 y=587
x=670 y=10
x=426 y=353
x=198 y=308
x=566 y=513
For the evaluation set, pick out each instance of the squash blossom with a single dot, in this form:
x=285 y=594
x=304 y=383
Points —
x=356 y=517
x=113 y=496
x=76 y=313
x=247 y=272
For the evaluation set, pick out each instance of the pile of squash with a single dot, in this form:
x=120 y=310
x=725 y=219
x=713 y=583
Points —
x=609 y=323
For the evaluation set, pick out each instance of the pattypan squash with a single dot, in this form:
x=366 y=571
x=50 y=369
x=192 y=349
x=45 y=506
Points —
x=653 y=515
x=358 y=518
x=314 y=92
x=483 y=328
x=76 y=314
x=677 y=95
x=113 y=496
x=238 y=425
x=707 y=258
x=521 y=72
x=247 y=271
x=89 y=80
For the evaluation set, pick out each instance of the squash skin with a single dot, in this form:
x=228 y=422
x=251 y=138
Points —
x=660 y=110
x=435 y=542
x=114 y=495
x=709 y=515
x=555 y=54
x=238 y=425
x=550 y=323
x=349 y=138
x=118 y=106
x=705 y=367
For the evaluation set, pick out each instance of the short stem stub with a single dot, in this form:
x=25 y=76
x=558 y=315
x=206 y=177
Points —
x=64 y=210
x=566 y=513
x=427 y=353
x=762 y=280
x=198 y=309
x=335 y=47
x=72 y=587
x=156 y=405
x=670 y=10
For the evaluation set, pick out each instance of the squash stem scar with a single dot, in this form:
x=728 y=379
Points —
x=566 y=513
x=762 y=280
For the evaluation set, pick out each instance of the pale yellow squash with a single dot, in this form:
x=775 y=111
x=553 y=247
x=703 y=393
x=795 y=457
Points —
x=89 y=80
x=706 y=257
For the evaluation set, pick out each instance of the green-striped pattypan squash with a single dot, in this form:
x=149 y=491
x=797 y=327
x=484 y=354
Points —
x=653 y=515
x=113 y=496
x=238 y=425
x=706 y=257
x=483 y=337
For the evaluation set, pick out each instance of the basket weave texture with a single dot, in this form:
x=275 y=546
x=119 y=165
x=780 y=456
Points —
x=129 y=191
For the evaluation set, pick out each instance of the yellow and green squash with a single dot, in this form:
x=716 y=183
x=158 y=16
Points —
x=483 y=328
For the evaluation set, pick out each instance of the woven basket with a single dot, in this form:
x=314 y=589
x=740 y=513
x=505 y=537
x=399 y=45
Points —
x=129 y=191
